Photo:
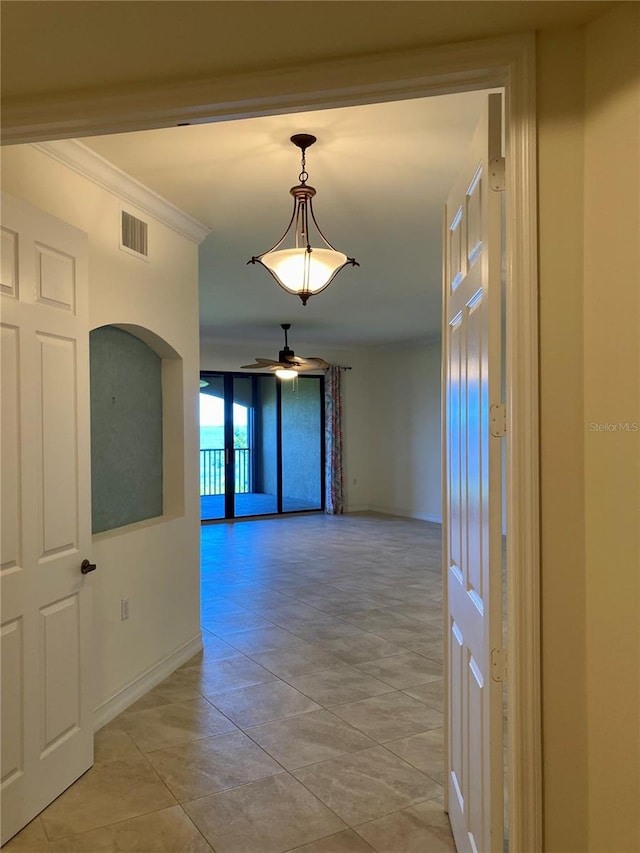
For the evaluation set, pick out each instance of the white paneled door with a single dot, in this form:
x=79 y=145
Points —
x=472 y=545
x=47 y=732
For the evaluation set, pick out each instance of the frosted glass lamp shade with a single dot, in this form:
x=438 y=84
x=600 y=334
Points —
x=286 y=373
x=301 y=271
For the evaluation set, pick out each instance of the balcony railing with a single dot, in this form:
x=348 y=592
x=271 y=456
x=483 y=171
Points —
x=212 y=478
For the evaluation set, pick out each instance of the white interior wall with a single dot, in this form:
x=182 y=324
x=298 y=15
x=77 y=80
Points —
x=405 y=391
x=155 y=563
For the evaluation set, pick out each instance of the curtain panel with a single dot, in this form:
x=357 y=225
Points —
x=334 y=503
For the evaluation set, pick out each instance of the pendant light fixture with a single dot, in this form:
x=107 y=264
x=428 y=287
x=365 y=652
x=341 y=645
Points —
x=299 y=267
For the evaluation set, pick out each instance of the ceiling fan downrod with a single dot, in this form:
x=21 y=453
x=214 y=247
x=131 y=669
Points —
x=286 y=354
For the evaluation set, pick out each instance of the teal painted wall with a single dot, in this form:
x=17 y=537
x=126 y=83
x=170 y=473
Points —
x=301 y=443
x=126 y=429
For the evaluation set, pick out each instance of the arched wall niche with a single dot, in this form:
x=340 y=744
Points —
x=137 y=428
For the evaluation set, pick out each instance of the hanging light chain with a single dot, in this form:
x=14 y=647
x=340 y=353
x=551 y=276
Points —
x=303 y=177
x=302 y=221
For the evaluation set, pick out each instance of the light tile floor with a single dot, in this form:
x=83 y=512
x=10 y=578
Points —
x=311 y=721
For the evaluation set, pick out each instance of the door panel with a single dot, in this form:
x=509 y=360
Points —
x=47 y=709
x=57 y=381
x=55 y=278
x=12 y=693
x=9 y=258
x=10 y=541
x=472 y=486
x=60 y=689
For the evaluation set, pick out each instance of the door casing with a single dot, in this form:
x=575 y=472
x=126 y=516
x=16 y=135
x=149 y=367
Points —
x=507 y=62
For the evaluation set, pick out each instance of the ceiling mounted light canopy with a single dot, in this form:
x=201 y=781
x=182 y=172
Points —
x=299 y=267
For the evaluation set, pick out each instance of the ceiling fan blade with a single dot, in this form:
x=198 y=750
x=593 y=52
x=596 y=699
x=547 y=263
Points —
x=288 y=360
x=311 y=368
x=271 y=367
x=318 y=363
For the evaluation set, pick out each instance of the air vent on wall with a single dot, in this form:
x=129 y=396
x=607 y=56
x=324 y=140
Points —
x=134 y=234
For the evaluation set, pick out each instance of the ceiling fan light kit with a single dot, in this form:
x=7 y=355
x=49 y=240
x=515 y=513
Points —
x=300 y=268
x=288 y=365
x=286 y=373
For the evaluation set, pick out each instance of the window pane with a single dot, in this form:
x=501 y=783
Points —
x=265 y=435
x=212 y=479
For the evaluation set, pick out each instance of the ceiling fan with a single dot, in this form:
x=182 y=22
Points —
x=288 y=364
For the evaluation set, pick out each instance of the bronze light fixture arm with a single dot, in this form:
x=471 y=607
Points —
x=255 y=259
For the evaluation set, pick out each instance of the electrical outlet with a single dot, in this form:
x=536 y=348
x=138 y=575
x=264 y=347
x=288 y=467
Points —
x=124 y=609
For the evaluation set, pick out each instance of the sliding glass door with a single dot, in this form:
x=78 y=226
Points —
x=261 y=445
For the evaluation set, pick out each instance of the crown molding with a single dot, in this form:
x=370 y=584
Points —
x=77 y=156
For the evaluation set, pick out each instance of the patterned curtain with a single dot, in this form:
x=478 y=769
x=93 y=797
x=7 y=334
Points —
x=334 y=504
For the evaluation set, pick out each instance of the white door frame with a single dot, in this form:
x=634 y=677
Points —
x=507 y=62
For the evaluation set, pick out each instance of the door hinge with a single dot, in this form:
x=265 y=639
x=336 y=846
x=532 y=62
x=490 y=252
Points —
x=499 y=664
x=497 y=174
x=498 y=420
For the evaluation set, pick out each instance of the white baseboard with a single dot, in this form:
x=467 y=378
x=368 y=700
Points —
x=119 y=701
x=407 y=513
